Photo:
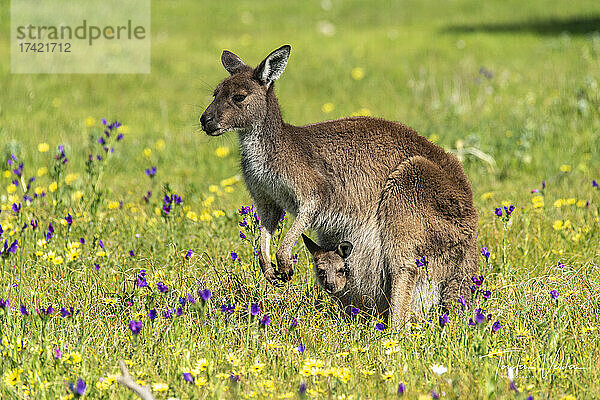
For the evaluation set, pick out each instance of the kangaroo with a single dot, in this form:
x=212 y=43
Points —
x=331 y=268
x=331 y=176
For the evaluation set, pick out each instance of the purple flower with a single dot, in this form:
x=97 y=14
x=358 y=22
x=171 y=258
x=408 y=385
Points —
x=82 y=240
x=254 y=309
x=68 y=312
x=242 y=236
x=243 y=223
x=97 y=266
x=444 y=319
x=179 y=311
x=554 y=294
x=471 y=322
x=119 y=137
x=103 y=121
x=162 y=287
x=234 y=378
x=293 y=324
x=302 y=389
x=401 y=389
x=190 y=298
x=485 y=293
x=234 y=256
x=205 y=294
x=4 y=303
x=183 y=301
x=189 y=254
x=354 y=311
x=47 y=311
x=301 y=348
x=100 y=244
x=23 y=310
x=498 y=212
x=461 y=300
x=509 y=210
x=12 y=248
x=16 y=208
x=380 y=327
x=282 y=216
x=434 y=395
x=79 y=388
x=141 y=279
x=594 y=183
x=422 y=262
x=486 y=253
x=496 y=326
x=245 y=210
x=513 y=387
x=58 y=354
x=265 y=320
x=150 y=171
x=167 y=314
x=188 y=377
x=227 y=308
x=131 y=253
x=480 y=316
x=152 y=314
x=135 y=326
x=478 y=281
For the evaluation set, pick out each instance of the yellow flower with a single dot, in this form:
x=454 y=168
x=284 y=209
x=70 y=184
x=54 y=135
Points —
x=112 y=205
x=159 y=145
x=76 y=196
x=218 y=213
x=147 y=152
x=160 y=387
x=568 y=397
x=387 y=376
x=362 y=112
x=208 y=201
x=72 y=358
x=11 y=188
x=222 y=151
x=42 y=171
x=327 y=108
x=537 y=201
x=43 y=147
x=192 y=216
x=576 y=237
x=367 y=372
x=230 y=181
x=12 y=377
x=201 y=381
x=213 y=188
x=228 y=189
x=58 y=260
x=205 y=216
x=257 y=368
x=565 y=168
x=53 y=186
x=90 y=121
x=570 y=201
x=201 y=365
x=581 y=203
x=558 y=225
x=434 y=138
x=101 y=253
x=358 y=73
x=70 y=178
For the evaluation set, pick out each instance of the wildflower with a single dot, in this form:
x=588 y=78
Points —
x=471 y=322
x=444 y=319
x=496 y=326
x=100 y=244
x=511 y=377
x=204 y=294
x=188 y=377
x=401 y=389
x=254 y=309
x=244 y=210
x=97 y=266
x=16 y=208
x=152 y=314
x=4 y=304
x=480 y=316
x=234 y=256
x=266 y=320
x=594 y=183
x=357 y=73
x=486 y=253
x=183 y=301
x=135 y=326
x=79 y=388
x=421 y=262
x=355 y=311
x=327 y=108
x=439 y=369
x=189 y=254
x=43 y=147
x=227 y=308
x=554 y=294
x=141 y=279
x=47 y=311
x=190 y=299
x=12 y=248
x=160 y=387
x=71 y=312
x=485 y=293
x=498 y=212
x=293 y=324
x=179 y=311
x=131 y=253
x=478 y=281
x=162 y=287
x=300 y=348
x=242 y=236
x=150 y=172
x=380 y=327
x=302 y=389
x=222 y=152
x=58 y=354
x=23 y=310
x=167 y=314
x=69 y=219
x=461 y=300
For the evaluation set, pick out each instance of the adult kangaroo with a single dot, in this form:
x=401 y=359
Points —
x=332 y=175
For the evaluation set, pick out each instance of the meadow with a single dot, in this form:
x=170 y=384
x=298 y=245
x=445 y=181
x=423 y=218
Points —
x=128 y=234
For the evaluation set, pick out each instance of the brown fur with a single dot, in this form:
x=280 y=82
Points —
x=336 y=176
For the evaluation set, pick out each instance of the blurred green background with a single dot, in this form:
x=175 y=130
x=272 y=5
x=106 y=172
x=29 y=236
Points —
x=511 y=86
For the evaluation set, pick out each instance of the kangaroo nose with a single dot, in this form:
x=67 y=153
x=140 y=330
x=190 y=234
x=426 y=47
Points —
x=205 y=119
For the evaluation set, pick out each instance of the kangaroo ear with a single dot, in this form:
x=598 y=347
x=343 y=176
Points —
x=344 y=249
x=231 y=62
x=272 y=67
x=310 y=245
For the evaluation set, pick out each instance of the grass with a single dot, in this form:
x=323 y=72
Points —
x=534 y=119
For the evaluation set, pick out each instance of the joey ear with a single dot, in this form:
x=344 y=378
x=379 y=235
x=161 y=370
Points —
x=231 y=62
x=310 y=245
x=272 y=67
x=344 y=249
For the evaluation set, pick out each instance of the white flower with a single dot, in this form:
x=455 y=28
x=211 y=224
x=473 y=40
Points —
x=439 y=369
x=511 y=374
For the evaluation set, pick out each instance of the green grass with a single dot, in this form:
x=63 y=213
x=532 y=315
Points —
x=537 y=118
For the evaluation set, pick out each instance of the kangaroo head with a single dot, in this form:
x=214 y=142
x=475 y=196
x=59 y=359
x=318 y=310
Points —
x=240 y=101
x=331 y=266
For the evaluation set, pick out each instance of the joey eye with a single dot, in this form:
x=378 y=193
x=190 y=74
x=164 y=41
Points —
x=238 y=98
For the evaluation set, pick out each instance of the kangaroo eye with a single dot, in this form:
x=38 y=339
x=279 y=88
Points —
x=238 y=98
